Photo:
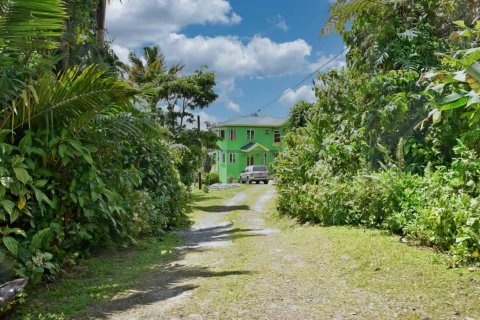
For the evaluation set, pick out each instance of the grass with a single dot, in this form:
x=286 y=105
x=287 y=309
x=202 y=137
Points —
x=333 y=272
x=96 y=280
x=418 y=276
x=402 y=281
x=101 y=278
x=303 y=271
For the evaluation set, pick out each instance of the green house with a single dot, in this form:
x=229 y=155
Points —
x=246 y=141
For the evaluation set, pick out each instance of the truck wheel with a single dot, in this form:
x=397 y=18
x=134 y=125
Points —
x=258 y=182
x=265 y=181
x=249 y=181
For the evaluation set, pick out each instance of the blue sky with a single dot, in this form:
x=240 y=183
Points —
x=258 y=49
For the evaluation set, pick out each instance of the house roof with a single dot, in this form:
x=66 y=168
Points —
x=253 y=121
x=253 y=145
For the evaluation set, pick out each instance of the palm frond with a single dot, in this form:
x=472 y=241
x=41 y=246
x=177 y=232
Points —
x=31 y=24
x=129 y=126
x=71 y=99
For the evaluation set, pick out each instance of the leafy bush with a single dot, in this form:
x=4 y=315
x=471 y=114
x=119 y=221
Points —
x=80 y=166
x=440 y=208
x=211 y=178
x=383 y=145
x=58 y=199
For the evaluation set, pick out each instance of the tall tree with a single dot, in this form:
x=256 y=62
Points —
x=185 y=94
x=151 y=74
x=180 y=95
x=101 y=15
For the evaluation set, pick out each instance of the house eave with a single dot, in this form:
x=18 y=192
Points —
x=220 y=125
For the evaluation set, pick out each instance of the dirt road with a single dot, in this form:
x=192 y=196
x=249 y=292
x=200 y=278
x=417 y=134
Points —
x=239 y=262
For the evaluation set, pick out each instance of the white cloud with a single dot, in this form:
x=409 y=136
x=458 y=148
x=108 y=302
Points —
x=121 y=52
x=233 y=106
x=231 y=59
x=279 y=22
x=228 y=55
x=159 y=22
x=293 y=96
x=133 y=23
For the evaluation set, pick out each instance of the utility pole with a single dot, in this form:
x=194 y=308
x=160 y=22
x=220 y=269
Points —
x=199 y=169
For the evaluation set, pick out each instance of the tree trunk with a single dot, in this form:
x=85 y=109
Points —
x=66 y=46
x=101 y=13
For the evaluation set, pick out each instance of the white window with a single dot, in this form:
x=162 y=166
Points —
x=265 y=157
x=267 y=131
x=233 y=134
x=250 y=161
x=250 y=134
x=233 y=158
x=276 y=136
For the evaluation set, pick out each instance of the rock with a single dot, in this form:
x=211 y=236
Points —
x=9 y=290
x=345 y=257
x=220 y=186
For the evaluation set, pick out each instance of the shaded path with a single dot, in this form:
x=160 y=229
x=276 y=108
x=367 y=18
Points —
x=236 y=264
x=171 y=286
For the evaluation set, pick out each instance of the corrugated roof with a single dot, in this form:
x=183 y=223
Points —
x=260 y=121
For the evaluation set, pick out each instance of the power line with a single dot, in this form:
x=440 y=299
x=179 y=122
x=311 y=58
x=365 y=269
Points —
x=260 y=109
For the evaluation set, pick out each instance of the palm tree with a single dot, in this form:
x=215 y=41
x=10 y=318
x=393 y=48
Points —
x=151 y=74
x=69 y=99
x=100 y=15
x=154 y=66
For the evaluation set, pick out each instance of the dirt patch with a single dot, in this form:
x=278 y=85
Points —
x=235 y=264
x=259 y=206
x=165 y=290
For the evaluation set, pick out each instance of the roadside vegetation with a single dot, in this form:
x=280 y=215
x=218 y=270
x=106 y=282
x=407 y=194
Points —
x=87 y=159
x=92 y=287
x=274 y=268
x=392 y=139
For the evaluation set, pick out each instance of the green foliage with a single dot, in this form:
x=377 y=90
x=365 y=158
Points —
x=30 y=25
x=388 y=35
x=80 y=167
x=171 y=100
x=71 y=100
x=211 y=178
x=384 y=146
x=299 y=114
x=458 y=85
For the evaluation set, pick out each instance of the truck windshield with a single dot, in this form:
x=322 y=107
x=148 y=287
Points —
x=260 y=168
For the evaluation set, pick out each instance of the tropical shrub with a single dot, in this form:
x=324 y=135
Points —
x=211 y=178
x=392 y=140
x=80 y=166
